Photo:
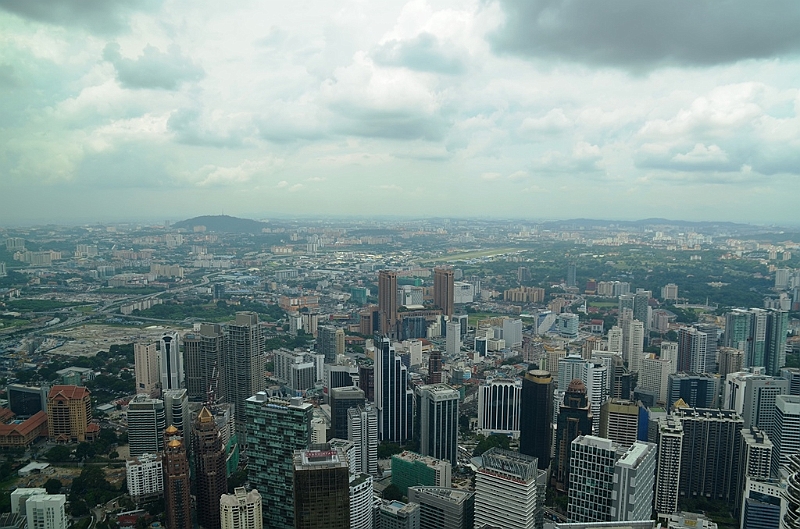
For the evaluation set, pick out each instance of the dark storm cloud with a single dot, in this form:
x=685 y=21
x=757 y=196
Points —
x=423 y=53
x=154 y=68
x=644 y=34
x=97 y=16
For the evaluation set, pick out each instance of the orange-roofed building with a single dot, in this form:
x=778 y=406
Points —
x=69 y=410
x=21 y=434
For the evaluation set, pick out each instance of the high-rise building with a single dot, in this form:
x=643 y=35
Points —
x=210 y=476
x=571 y=275
x=69 y=414
x=619 y=421
x=452 y=338
x=47 y=511
x=410 y=469
x=177 y=489
x=387 y=303
x=669 y=292
x=393 y=399
x=443 y=508
x=668 y=473
x=692 y=345
x=762 y=503
x=654 y=376
x=147 y=421
x=730 y=360
x=204 y=350
x=633 y=344
x=615 y=339
x=499 y=402
x=362 y=431
x=170 y=362
x=536 y=416
x=397 y=515
x=595 y=376
x=435 y=367
x=366 y=380
x=574 y=420
x=361 y=498
x=641 y=307
x=697 y=391
x=509 y=491
x=443 y=290
x=634 y=481
x=20 y=495
x=321 y=486
x=437 y=416
x=791 y=520
x=512 y=332
x=792 y=374
x=752 y=395
x=176 y=411
x=277 y=428
x=756 y=459
x=145 y=357
x=786 y=431
x=341 y=400
x=245 y=366
x=761 y=334
x=145 y=478
x=326 y=342
x=241 y=510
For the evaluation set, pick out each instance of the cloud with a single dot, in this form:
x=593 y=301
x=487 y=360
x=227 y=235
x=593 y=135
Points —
x=154 y=68
x=192 y=128
x=424 y=53
x=643 y=35
x=246 y=172
x=584 y=158
x=98 y=16
x=698 y=158
x=553 y=122
x=491 y=176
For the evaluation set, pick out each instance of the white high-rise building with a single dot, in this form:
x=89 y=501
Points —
x=145 y=357
x=595 y=377
x=752 y=395
x=509 y=490
x=362 y=431
x=47 y=511
x=786 y=438
x=654 y=376
x=634 y=479
x=669 y=351
x=633 y=340
x=512 y=332
x=668 y=469
x=615 y=339
x=241 y=510
x=170 y=361
x=20 y=495
x=146 y=424
x=499 y=403
x=361 y=499
x=453 y=338
x=145 y=477
x=176 y=410
x=756 y=458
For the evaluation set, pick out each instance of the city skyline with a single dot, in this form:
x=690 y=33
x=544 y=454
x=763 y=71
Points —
x=112 y=112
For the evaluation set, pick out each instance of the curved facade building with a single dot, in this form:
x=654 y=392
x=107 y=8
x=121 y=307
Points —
x=536 y=416
x=791 y=520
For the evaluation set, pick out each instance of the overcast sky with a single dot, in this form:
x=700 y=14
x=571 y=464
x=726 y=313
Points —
x=116 y=110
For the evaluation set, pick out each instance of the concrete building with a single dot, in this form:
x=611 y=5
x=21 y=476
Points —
x=444 y=290
x=204 y=352
x=145 y=478
x=147 y=422
x=634 y=481
x=170 y=362
x=321 y=487
x=591 y=469
x=443 y=508
x=47 y=511
x=398 y=515
x=387 y=303
x=509 y=491
x=654 y=376
x=241 y=510
x=145 y=356
x=619 y=421
x=245 y=365
x=499 y=402
x=762 y=504
x=410 y=470
x=69 y=414
x=362 y=431
x=361 y=499
x=668 y=468
x=453 y=338
x=176 y=411
x=536 y=416
x=437 y=421
x=786 y=432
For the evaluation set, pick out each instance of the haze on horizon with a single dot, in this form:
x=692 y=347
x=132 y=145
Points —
x=625 y=109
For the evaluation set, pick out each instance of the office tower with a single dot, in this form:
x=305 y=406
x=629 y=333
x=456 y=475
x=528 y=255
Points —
x=326 y=342
x=737 y=329
x=437 y=415
x=443 y=290
x=730 y=360
x=387 y=302
x=711 y=453
x=761 y=504
x=362 y=431
x=595 y=376
x=245 y=366
x=697 y=391
x=397 y=515
x=145 y=357
x=786 y=431
x=443 y=508
x=615 y=339
x=361 y=498
x=453 y=338
x=176 y=411
x=277 y=428
x=499 y=402
x=170 y=362
x=633 y=344
x=69 y=414
x=299 y=370
x=669 y=292
x=341 y=400
x=668 y=469
x=791 y=520
x=778 y=325
x=147 y=421
x=654 y=376
x=634 y=481
x=641 y=308
x=393 y=399
x=241 y=510
x=509 y=491
x=435 y=367
x=27 y=401
x=692 y=344
x=792 y=374
x=47 y=511
x=145 y=478
x=410 y=469
x=536 y=416
x=759 y=403
x=574 y=419
x=339 y=376
x=570 y=367
x=209 y=469
x=568 y=324
x=203 y=351
x=761 y=334
x=366 y=380
x=619 y=421
x=340 y=342
x=177 y=498
x=571 y=275
x=756 y=459
x=512 y=332
x=321 y=487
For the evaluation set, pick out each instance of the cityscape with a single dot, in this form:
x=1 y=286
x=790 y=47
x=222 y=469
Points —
x=227 y=373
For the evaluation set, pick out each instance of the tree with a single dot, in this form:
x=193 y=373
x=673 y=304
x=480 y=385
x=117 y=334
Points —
x=237 y=479
x=113 y=454
x=84 y=451
x=58 y=454
x=392 y=493
x=487 y=443
x=53 y=486
x=387 y=450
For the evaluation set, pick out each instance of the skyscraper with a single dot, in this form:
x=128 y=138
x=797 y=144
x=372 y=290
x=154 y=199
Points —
x=145 y=358
x=277 y=428
x=146 y=424
x=435 y=367
x=393 y=399
x=697 y=391
x=321 y=487
x=437 y=413
x=69 y=414
x=177 y=493
x=145 y=477
x=362 y=431
x=453 y=338
x=204 y=359
x=209 y=472
x=574 y=419
x=443 y=290
x=341 y=400
x=170 y=362
x=241 y=510
x=572 y=270
x=443 y=508
x=499 y=403
x=791 y=520
x=245 y=366
x=761 y=334
x=387 y=302
x=176 y=412
x=326 y=342
x=509 y=491
x=668 y=473
x=361 y=498
x=536 y=416
x=786 y=436
x=633 y=343
x=619 y=421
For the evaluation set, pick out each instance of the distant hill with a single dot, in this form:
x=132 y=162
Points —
x=222 y=223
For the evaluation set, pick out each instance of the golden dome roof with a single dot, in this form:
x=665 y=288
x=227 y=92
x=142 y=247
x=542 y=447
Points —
x=171 y=430
x=174 y=444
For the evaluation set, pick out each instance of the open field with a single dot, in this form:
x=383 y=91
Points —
x=86 y=340
x=469 y=255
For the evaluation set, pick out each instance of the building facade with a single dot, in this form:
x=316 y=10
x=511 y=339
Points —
x=321 y=487
x=241 y=510
x=536 y=416
x=437 y=421
x=210 y=477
